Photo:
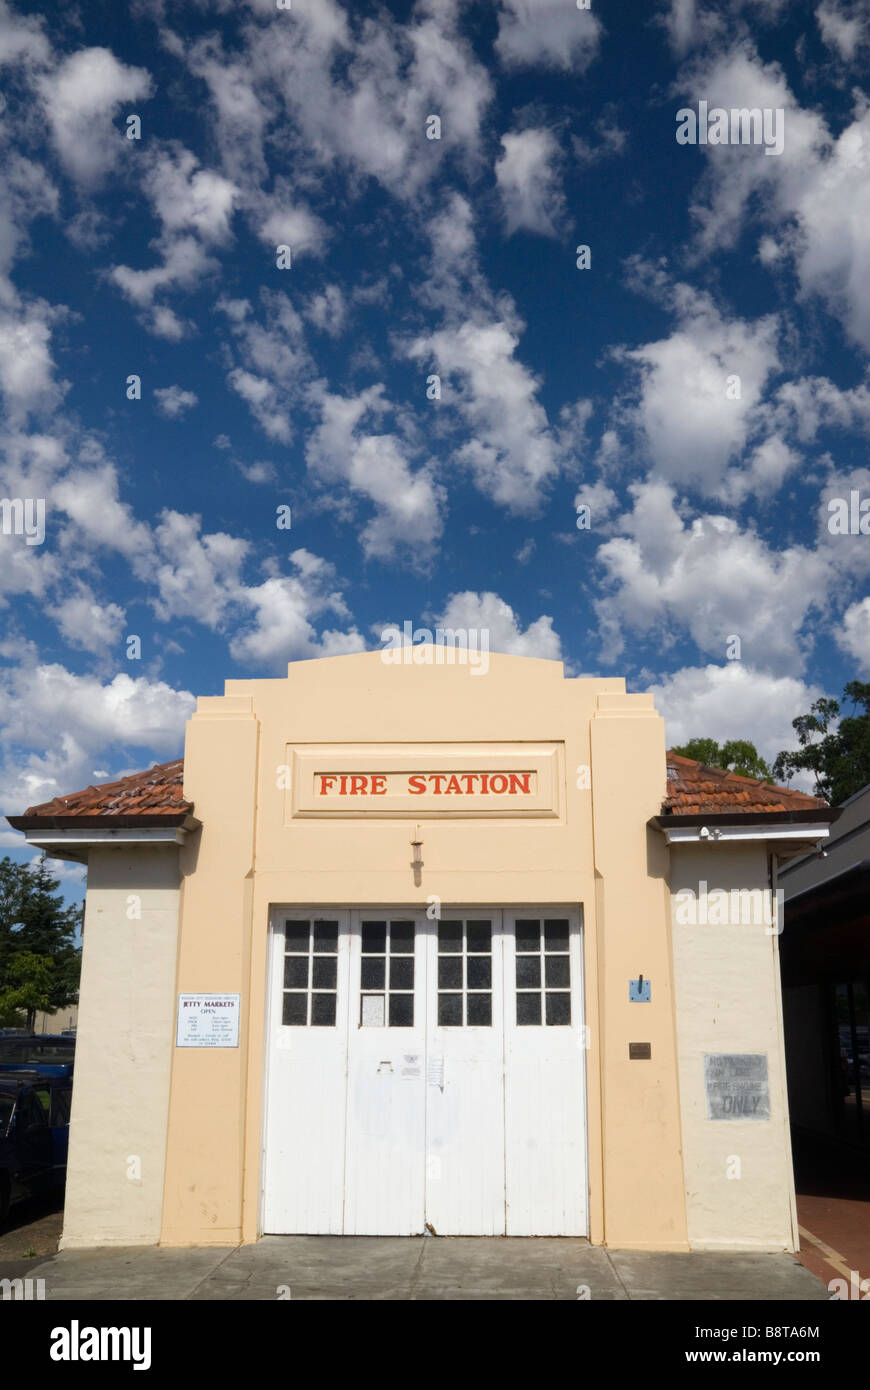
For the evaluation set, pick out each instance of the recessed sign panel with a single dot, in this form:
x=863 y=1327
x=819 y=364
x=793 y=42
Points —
x=439 y=780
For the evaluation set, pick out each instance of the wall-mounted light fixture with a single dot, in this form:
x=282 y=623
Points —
x=416 y=849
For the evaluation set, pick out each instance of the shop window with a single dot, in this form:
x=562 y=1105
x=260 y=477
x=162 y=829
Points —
x=387 y=974
x=310 y=973
x=465 y=974
x=543 y=966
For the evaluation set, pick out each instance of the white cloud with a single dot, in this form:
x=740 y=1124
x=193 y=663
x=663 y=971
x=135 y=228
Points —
x=26 y=192
x=732 y=701
x=344 y=91
x=815 y=195
x=854 y=635
x=262 y=397
x=80 y=99
x=408 y=503
x=711 y=579
x=327 y=310
x=529 y=183
x=22 y=40
x=27 y=369
x=188 y=198
x=285 y=608
x=58 y=726
x=184 y=262
x=274 y=364
x=487 y=612
x=548 y=34
x=173 y=401
x=97 y=516
x=510 y=450
x=197 y=576
x=86 y=623
x=260 y=471
x=842 y=30
x=699 y=391
x=601 y=500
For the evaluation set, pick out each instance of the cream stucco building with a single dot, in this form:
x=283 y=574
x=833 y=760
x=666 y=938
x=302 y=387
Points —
x=408 y=944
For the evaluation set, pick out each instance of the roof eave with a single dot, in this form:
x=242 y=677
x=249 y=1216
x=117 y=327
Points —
x=73 y=837
x=810 y=825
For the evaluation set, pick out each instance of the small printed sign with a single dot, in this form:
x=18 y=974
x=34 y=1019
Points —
x=208 y=1020
x=736 y=1085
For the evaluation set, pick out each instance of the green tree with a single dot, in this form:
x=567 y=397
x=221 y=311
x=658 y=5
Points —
x=838 y=757
x=28 y=988
x=39 y=961
x=737 y=755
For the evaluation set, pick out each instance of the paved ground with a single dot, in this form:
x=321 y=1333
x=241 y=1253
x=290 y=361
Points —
x=834 y=1229
x=382 y=1267
x=33 y=1228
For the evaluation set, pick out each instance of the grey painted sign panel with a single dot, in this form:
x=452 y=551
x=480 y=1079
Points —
x=736 y=1086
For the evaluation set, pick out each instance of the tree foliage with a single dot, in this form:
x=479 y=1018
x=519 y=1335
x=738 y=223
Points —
x=39 y=961
x=737 y=755
x=838 y=756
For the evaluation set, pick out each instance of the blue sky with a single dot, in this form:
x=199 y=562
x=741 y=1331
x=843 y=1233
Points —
x=307 y=386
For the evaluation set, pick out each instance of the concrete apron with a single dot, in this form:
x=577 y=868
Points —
x=411 y=1268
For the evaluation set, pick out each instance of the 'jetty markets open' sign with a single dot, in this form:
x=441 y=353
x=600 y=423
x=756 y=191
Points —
x=340 y=784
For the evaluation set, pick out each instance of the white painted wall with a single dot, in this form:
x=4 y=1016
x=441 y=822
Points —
x=727 y=992
x=123 y=1049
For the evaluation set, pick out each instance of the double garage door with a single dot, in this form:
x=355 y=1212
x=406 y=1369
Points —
x=426 y=1074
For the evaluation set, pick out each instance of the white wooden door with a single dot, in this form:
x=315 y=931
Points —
x=545 y=1071
x=465 y=1076
x=426 y=1072
x=385 y=1159
x=307 y=1077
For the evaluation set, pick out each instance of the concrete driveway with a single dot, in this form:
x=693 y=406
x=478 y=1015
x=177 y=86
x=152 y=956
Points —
x=380 y=1267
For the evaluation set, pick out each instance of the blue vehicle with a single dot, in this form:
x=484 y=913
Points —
x=34 y=1135
x=46 y=1053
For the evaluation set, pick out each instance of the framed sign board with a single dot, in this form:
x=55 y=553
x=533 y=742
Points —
x=208 y=1020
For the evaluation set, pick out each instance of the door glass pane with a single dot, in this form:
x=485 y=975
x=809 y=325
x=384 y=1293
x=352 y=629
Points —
x=402 y=938
x=449 y=937
x=374 y=938
x=528 y=936
x=310 y=974
x=387 y=965
x=401 y=1010
x=465 y=974
x=544 y=954
x=325 y=937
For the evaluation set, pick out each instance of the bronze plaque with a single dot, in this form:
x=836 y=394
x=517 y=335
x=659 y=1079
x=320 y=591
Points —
x=640 y=1052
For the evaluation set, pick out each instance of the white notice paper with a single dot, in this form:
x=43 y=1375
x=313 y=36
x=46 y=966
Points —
x=435 y=1072
x=208 y=1020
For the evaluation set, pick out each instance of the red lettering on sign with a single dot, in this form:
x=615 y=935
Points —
x=325 y=783
x=416 y=784
x=379 y=784
x=502 y=780
x=520 y=783
x=358 y=784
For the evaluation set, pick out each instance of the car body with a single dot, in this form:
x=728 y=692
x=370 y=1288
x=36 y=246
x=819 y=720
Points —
x=34 y=1135
x=48 y=1053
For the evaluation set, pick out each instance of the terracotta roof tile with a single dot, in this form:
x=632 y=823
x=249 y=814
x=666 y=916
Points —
x=157 y=792
x=697 y=790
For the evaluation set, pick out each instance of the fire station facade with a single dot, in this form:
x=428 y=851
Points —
x=395 y=947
